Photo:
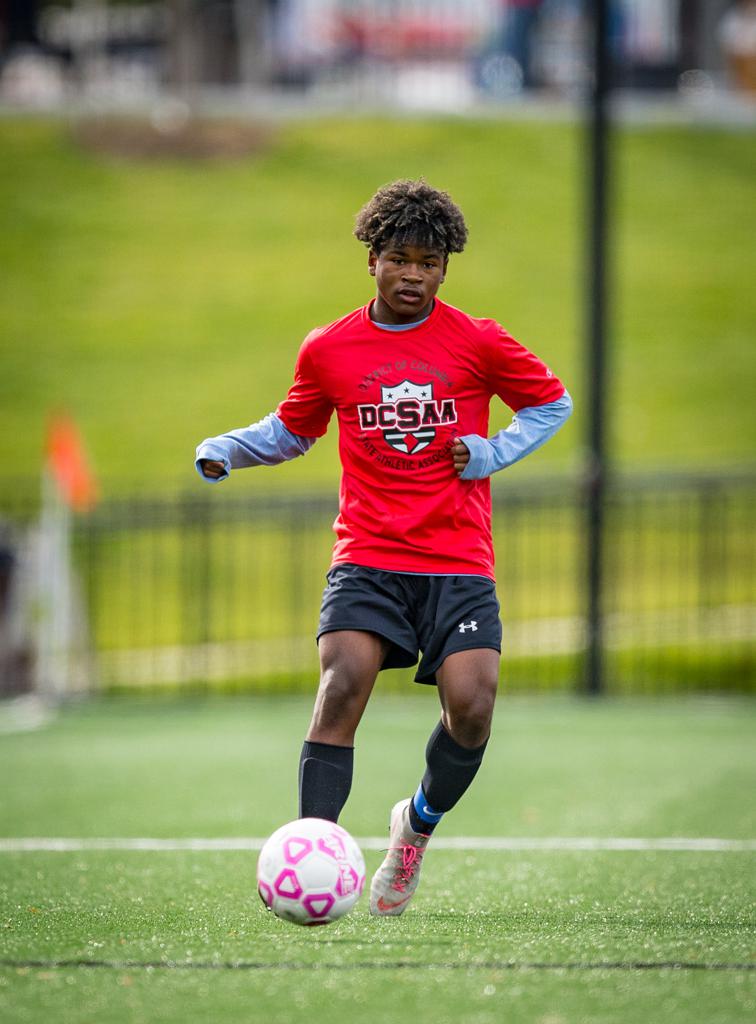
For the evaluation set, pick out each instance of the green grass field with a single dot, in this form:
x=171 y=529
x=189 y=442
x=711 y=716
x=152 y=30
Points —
x=543 y=936
x=162 y=302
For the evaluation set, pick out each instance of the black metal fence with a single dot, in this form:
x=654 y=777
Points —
x=210 y=590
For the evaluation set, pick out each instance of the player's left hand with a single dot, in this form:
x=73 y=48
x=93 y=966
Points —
x=460 y=455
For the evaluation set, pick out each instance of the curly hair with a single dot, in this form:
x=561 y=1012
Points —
x=411 y=213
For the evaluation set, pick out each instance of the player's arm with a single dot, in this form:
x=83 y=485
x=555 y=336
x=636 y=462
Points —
x=477 y=457
x=282 y=435
x=266 y=443
x=539 y=400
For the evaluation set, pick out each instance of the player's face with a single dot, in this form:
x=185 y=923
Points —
x=407 y=278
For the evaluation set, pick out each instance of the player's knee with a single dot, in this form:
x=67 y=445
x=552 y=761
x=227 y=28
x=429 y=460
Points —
x=468 y=718
x=338 y=691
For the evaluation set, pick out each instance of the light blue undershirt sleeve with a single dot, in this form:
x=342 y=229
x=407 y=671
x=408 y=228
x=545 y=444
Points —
x=266 y=443
x=530 y=428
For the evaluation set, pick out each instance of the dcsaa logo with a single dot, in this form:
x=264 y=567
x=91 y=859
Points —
x=407 y=415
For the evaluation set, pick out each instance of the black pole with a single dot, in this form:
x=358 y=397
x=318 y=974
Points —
x=596 y=343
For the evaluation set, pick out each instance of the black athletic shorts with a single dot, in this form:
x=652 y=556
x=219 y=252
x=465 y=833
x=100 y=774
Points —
x=437 y=615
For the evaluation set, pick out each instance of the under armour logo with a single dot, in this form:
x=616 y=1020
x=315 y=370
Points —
x=472 y=625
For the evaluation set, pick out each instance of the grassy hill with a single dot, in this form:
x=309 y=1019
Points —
x=162 y=302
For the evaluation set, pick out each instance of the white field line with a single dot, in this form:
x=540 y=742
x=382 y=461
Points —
x=467 y=843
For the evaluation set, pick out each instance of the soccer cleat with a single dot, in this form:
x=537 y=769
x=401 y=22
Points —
x=395 y=881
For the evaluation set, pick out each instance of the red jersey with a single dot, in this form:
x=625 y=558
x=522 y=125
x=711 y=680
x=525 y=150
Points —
x=401 y=397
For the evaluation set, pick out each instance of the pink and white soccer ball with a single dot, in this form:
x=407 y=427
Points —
x=310 y=871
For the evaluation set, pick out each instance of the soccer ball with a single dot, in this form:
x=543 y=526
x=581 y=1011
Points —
x=310 y=871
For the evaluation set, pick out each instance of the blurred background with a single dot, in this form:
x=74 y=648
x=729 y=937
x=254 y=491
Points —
x=345 y=52
x=178 y=185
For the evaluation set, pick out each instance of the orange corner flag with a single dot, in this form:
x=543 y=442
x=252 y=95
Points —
x=68 y=464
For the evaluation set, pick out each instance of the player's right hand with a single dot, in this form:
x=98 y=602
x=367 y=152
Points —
x=460 y=456
x=212 y=468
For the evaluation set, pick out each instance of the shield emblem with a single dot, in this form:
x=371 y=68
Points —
x=412 y=440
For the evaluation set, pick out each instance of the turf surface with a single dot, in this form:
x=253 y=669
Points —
x=554 y=937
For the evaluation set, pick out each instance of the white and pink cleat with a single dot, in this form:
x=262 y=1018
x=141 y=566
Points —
x=395 y=881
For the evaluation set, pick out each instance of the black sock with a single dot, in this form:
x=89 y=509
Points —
x=325 y=779
x=450 y=768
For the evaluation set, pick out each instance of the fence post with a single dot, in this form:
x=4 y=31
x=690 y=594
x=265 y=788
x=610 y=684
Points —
x=712 y=550
x=595 y=484
x=196 y=585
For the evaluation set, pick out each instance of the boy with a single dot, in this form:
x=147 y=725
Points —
x=411 y=379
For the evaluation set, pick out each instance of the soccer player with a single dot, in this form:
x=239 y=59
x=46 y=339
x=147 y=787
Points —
x=411 y=379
